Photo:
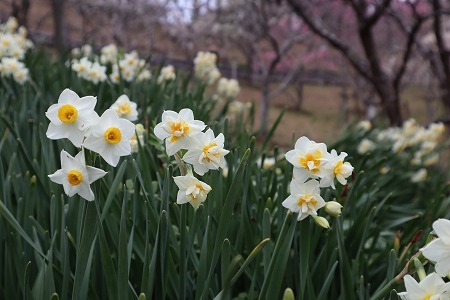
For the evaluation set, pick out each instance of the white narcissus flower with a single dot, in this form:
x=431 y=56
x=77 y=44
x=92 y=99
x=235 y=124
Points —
x=364 y=125
x=167 y=73
x=228 y=88
x=71 y=116
x=110 y=137
x=365 y=146
x=431 y=287
x=305 y=198
x=177 y=129
x=438 y=250
x=191 y=190
x=308 y=157
x=125 y=108
x=336 y=168
x=419 y=176
x=206 y=152
x=75 y=176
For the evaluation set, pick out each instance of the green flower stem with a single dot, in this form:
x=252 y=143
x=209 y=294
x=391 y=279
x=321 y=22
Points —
x=397 y=279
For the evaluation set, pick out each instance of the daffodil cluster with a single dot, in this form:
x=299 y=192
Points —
x=411 y=141
x=109 y=135
x=13 y=46
x=109 y=54
x=205 y=68
x=432 y=286
x=228 y=88
x=128 y=66
x=13 y=39
x=203 y=151
x=89 y=70
x=167 y=73
x=423 y=140
x=315 y=168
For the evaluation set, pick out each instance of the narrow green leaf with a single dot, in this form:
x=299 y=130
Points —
x=113 y=189
x=272 y=283
x=227 y=212
x=12 y=221
x=183 y=260
x=122 y=268
x=84 y=252
x=109 y=271
x=327 y=283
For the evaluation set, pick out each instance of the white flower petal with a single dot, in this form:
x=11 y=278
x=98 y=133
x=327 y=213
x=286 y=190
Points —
x=58 y=177
x=86 y=103
x=76 y=136
x=302 y=144
x=160 y=132
x=95 y=173
x=52 y=114
x=67 y=96
x=431 y=283
x=413 y=288
x=200 y=169
x=110 y=157
x=85 y=191
x=443 y=266
x=186 y=114
x=172 y=148
x=127 y=128
x=442 y=229
x=436 y=250
x=300 y=175
x=181 y=198
x=56 y=132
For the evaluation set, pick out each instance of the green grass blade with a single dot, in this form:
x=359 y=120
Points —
x=122 y=268
x=85 y=251
x=113 y=189
x=13 y=222
x=227 y=212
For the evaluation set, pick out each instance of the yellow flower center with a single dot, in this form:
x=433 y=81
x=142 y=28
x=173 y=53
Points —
x=113 y=135
x=199 y=190
x=307 y=199
x=179 y=129
x=124 y=109
x=74 y=177
x=311 y=161
x=338 y=167
x=427 y=297
x=67 y=113
x=206 y=150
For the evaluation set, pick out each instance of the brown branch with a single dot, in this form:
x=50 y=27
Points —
x=307 y=15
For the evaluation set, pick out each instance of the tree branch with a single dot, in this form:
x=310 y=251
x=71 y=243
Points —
x=306 y=13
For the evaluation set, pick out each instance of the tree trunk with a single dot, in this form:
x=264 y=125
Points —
x=264 y=113
x=299 y=99
x=390 y=100
x=445 y=94
x=20 y=12
x=58 y=23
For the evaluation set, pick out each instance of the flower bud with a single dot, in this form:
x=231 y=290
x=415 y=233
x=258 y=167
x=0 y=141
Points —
x=140 y=129
x=333 y=208
x=420 y=270
x=33 y=180
x=321 y=221
x=288 y=294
